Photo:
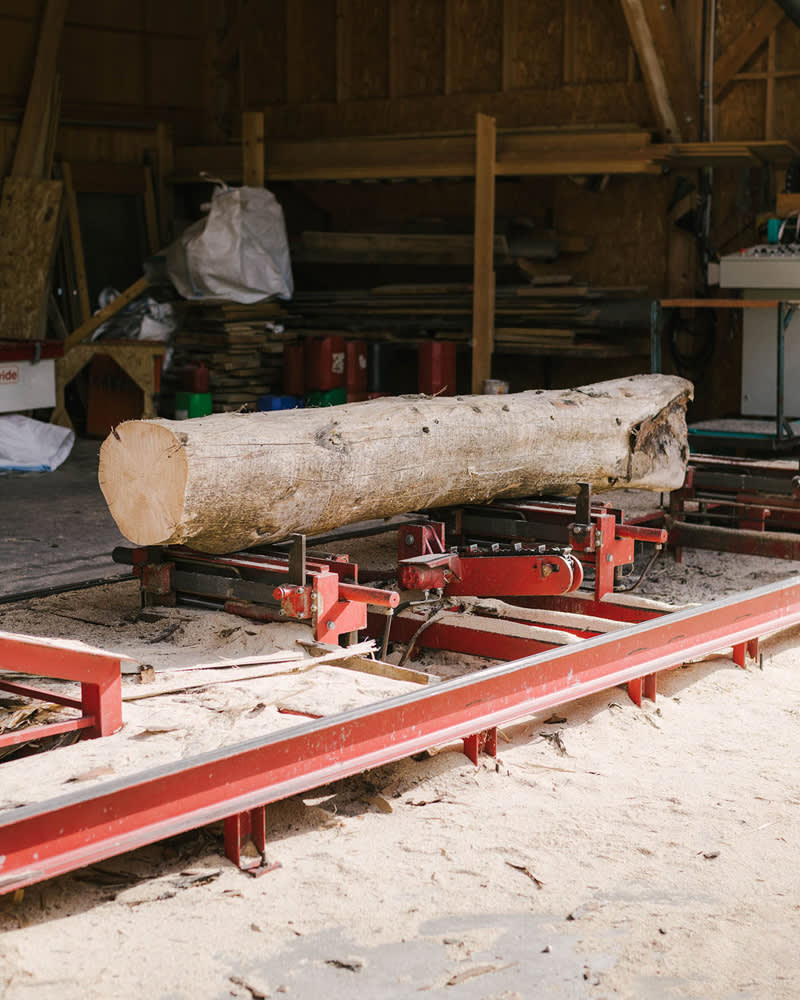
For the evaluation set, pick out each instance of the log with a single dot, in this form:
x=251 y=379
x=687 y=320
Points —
x=234 y=480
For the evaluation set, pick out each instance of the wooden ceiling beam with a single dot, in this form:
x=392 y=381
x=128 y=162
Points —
x=668 y=72
x=754 y=34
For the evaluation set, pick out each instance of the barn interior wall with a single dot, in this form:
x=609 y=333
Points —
x=326 y=68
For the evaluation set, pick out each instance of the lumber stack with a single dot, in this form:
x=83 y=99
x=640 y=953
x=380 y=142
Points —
x=564 y=318
x=240 y=345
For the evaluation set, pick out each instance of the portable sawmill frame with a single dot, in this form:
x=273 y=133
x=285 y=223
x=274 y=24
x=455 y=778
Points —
x=632 y=641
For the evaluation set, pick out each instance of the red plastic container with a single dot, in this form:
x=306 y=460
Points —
x=437 y=368
x=325 y=363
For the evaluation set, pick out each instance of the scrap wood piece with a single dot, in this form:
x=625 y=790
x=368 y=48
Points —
x=365 y=665
x=234 y=480
x=223 y=674
x=39 y=106
x=30 y=222
x=106 y=313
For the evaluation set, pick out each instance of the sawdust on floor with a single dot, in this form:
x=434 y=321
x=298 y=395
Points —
x=609 y=851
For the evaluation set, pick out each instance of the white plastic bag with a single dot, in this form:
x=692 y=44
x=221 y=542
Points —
x=32 y=446
x=239 y=251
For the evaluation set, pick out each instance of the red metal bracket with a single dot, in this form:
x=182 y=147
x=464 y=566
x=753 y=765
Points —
x=482 y=742
x=246 y=841
x=97 y=671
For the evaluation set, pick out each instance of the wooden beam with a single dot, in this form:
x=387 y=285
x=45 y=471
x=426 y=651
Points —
x=228 y=48
x=483 y=271
x=84 y=305
x=150 y=211
x=107 y=312
x=769 y=107
x=253 y=148
x=40 y=94
x=344 y=20
x=667 y=72
x=746 y=44
x=510 y=31
x=165 y=169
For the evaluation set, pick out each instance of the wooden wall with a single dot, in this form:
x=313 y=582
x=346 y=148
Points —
x=121 y=61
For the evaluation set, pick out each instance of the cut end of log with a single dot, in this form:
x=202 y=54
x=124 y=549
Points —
x=145 y=493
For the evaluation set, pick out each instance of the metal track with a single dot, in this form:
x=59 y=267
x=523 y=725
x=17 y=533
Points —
x=84 y=827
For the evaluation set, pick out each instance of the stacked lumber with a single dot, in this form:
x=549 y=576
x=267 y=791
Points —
x=530 y=319
x=240 y=345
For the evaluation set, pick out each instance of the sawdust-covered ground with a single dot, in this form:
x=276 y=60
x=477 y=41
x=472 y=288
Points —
x=609 y=851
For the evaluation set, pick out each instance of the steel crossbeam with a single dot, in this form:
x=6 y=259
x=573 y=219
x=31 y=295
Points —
x=84 y=827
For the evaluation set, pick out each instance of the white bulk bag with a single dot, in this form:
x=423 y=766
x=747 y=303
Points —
x=239 y=251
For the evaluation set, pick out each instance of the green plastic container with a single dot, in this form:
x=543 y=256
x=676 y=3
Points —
x=192 y=404
x=333 y=397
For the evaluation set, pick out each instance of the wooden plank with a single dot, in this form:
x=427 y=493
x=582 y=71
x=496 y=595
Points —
x=30 y=224
x=76 y=241
x=35 y=120
x=652 y=68
x=769 y=106
x=483 y=268
x=165 y=169
x=746 y=44
x=107 y=178
x=253 y=148
x=510 y=34
x=433 y=249
x=150 y=211
x=102 y=315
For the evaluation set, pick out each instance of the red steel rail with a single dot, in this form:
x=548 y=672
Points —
x=236 y=782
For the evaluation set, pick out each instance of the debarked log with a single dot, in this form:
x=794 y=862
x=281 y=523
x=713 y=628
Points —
x=234 y=480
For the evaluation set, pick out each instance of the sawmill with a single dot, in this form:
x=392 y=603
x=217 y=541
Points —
x=400 y=498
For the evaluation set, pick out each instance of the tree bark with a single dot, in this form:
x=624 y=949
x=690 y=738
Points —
x=235 y=480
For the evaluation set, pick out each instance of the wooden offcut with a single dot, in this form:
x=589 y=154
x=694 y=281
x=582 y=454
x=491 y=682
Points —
x=235 y=480
x=30 y=222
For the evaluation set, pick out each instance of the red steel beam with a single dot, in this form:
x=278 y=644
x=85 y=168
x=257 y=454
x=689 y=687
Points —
x=84 y=827
x=97 y=671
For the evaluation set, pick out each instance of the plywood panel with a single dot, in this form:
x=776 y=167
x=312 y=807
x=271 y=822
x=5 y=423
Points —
x=31 y=9
x=177 y=68
x=595 y=105
x=626 y=223
x=363 y=33
x=102 y=65
x=18 y=54
x=417 y=46
x=177 y=17
x=538 y=41
x=740 y=114
x=473 y=39
x=600 y=42
x=787 y=100
x=262 y=57
x=30 y=212
x=127 y=15
x=98 y=145
x=311 y=50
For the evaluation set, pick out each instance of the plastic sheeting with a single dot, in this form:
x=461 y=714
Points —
x=28 y=445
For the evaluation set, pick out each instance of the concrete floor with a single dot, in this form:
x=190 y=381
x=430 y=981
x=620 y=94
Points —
x=56 y=528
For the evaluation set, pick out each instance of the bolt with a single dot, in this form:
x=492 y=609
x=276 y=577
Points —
x=330 y=626
x=409 y=539
x=300 y=590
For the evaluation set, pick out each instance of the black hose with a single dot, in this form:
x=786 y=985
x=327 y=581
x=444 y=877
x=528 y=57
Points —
x=791 y=8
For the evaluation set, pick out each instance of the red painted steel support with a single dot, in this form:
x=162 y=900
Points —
x=97 y=671
x=245 y=836
x=483 y=742
x=43 y=840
